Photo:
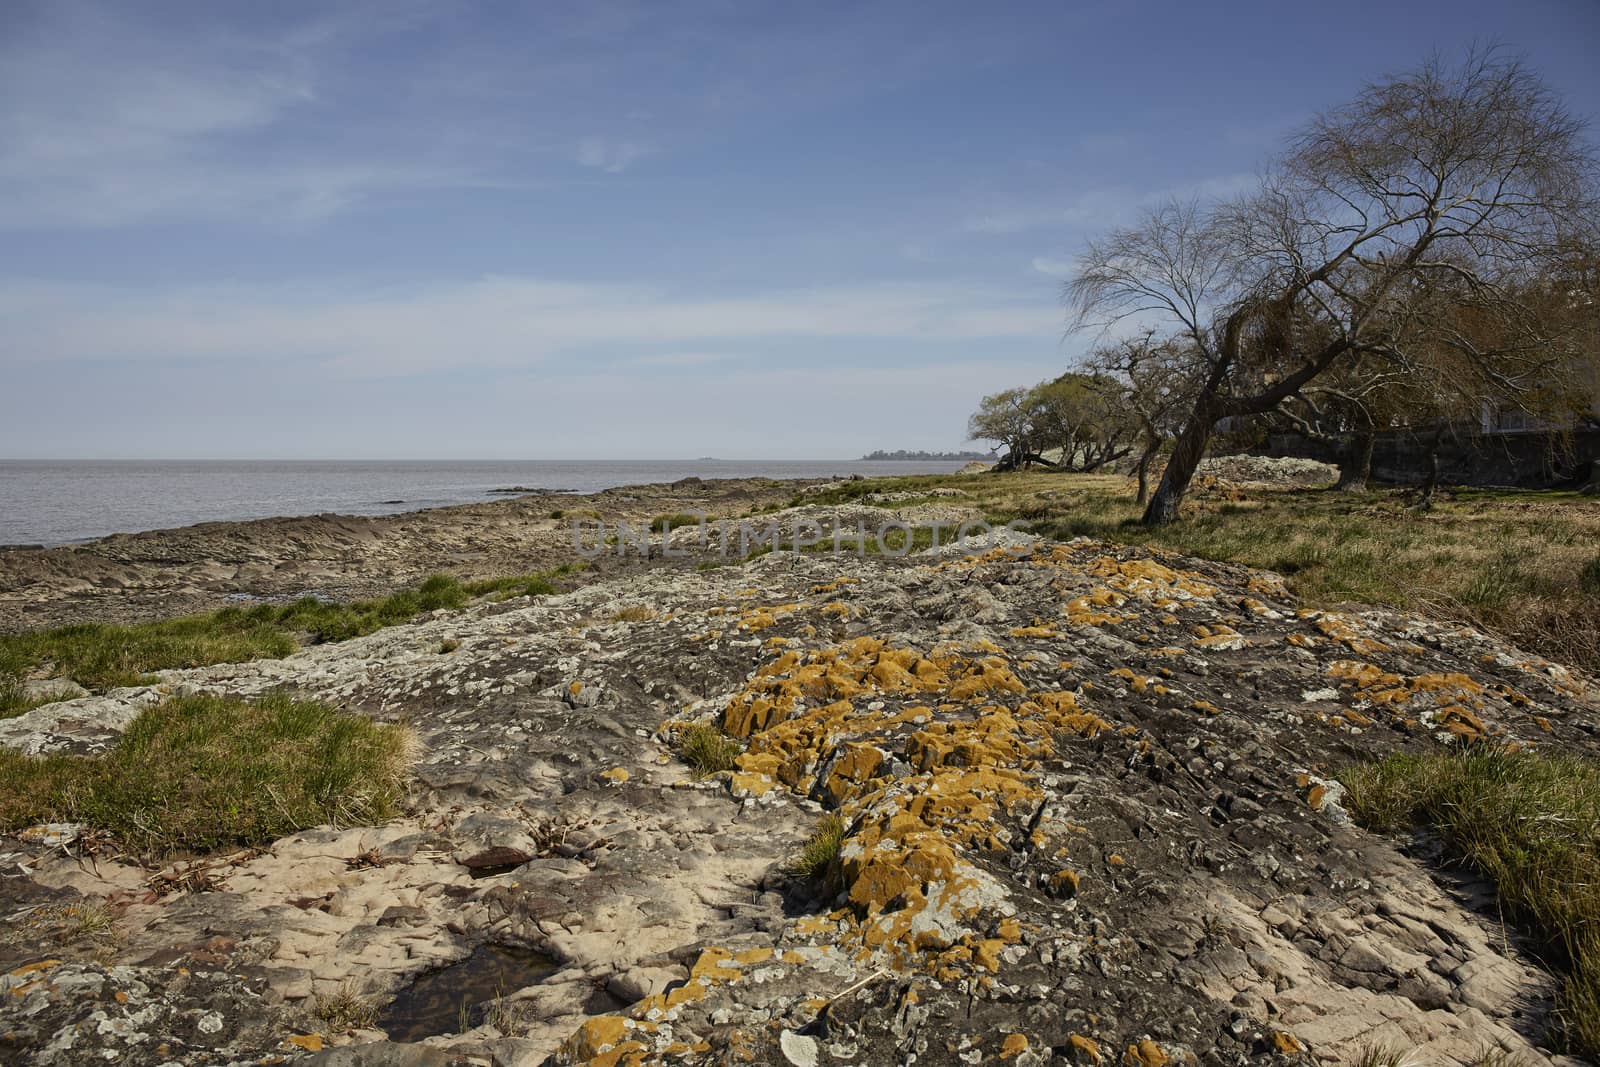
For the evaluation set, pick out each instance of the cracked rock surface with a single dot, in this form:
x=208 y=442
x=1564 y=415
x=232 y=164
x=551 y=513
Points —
x=1091 y=815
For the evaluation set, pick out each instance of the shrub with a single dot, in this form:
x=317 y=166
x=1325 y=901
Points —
x=661 y=522
x=207 y=772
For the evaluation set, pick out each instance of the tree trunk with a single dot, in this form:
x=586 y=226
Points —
x=1592 y=488
x=1186 y=456
x=1432 y=481
x=1150 y=450
x=1357 y=469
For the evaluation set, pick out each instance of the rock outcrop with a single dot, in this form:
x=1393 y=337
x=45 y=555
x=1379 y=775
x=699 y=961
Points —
x=1091 y=815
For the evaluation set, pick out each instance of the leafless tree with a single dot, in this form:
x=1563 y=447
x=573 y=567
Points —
x=1406 y=229
x=1158 y=389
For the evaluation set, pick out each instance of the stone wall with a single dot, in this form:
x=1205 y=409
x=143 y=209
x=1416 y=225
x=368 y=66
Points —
x=1525 y=460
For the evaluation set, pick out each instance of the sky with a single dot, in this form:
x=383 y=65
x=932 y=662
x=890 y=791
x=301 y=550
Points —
x=618 y=230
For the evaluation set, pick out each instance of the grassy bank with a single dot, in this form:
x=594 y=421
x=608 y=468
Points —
x=203 y=772
x=103 y=655
x=1530 y=822
x=1522 y=564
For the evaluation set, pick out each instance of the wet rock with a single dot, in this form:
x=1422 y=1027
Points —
x=380 y=1054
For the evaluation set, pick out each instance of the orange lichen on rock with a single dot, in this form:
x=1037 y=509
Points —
x=1013 y=1046
x=1148 y=579
x=1090 y=609
x=1145 y=1054
x=914 y=898
x=1461 y=722
x=1083 y=1049
x=1338 y=628
x=1364 y=675
x=1285 y=1042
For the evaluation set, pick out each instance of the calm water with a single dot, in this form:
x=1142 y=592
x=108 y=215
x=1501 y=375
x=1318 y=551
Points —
x=54 y=502
x=439 y=1001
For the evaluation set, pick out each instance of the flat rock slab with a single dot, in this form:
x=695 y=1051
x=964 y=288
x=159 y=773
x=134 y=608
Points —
x=1089 y=803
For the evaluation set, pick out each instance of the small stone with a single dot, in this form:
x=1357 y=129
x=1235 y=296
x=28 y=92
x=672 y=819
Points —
x=52 y=834
x=402 y=915
x=799 y=1050
x=501 y=856
x=1284 y=1042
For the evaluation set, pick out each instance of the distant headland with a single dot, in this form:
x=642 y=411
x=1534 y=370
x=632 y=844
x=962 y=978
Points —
x=902 y=454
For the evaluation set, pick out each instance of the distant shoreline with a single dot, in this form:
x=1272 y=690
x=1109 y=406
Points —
x=74 y=502
x=902 y=456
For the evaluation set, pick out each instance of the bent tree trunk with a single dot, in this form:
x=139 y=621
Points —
x=1357 y=469
x=1186 y=455
x=1150 y=450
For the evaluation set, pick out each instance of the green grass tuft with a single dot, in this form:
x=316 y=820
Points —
x=13 y=700
x=679 y=519
x=103 y=655
x=204 y=772
x=1529 y=821
x=821 y=849
x=1589 y=577
x=708 y=750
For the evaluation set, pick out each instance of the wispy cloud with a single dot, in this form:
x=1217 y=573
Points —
x=683 y=359
x=1055 y=268
x=1103 y=206
x=610 y=155
x=1092 y=206
x=494 y=322
x=110 y=121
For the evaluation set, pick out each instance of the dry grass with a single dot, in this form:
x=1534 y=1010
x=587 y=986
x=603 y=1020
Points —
x=1523 y=565
x=1386 y=1056
x=633 y=613
x=1530 y=822
x=90 y=918
x=204 y=772
x=346 y=1010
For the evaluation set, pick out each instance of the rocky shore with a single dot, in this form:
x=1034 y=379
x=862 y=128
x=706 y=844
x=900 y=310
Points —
x=1089 y=796
x=161 y=573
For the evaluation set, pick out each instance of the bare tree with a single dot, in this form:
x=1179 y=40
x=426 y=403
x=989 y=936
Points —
x=1158 y=390
x=1404 y=229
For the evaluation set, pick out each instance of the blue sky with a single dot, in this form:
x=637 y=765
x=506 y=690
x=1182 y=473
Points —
x=615 y=230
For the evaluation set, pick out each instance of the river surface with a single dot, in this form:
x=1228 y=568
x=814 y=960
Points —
x=61 y=501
